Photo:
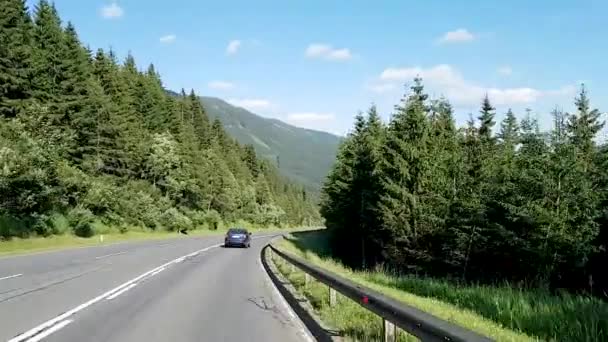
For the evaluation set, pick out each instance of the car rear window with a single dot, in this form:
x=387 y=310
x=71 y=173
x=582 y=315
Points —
x=237 y=231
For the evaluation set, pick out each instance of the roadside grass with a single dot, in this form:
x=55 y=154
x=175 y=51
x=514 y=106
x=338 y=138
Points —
x=111 y=235
x=504 y=313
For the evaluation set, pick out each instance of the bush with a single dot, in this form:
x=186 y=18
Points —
x=213 y=219
x=81 y=221
x=141 y=204
x=173 y=220
x=12 y=226
x=59 y=224
x=197 y=217
x=102 y=196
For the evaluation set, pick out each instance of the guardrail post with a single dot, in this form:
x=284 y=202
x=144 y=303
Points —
x=333 y=300
x=292 y=268
x=390 y=331
x=306 y=279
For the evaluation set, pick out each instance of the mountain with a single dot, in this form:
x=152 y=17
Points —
x=303 y=155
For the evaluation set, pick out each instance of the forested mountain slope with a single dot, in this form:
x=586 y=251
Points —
x=301 y=154
x=88 y=141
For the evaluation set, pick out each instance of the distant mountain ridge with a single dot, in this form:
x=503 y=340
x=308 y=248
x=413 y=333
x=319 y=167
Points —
x=301 y=154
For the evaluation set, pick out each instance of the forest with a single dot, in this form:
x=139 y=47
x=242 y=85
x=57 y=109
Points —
x=88 y=142
x=484 y=203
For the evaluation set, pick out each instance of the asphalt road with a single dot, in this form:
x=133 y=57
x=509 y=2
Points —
x=187 y=289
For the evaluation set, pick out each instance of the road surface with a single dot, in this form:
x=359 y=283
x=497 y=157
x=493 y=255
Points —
x=187 y=289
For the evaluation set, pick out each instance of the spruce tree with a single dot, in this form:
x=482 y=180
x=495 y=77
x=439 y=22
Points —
x=15 y=57
x=405 y=170
x=509 y=129
x=486 y=121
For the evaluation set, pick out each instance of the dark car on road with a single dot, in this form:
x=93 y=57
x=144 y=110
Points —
x=237 y=237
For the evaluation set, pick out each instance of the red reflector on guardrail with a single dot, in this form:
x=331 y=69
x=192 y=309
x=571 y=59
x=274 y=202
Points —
x=365 y=300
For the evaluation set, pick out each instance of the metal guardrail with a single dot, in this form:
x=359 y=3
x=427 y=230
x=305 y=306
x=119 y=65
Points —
x=393 y=313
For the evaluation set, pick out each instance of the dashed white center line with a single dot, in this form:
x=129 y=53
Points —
x=122 y=291
x=109 y=255
x=12 y=276
x=49 y=331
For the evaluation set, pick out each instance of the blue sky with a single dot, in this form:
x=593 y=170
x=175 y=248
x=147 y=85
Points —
x=315 y=63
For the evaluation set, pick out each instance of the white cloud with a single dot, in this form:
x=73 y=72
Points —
x=449 y=82
x=168 y=39
x=308 y=117
x=233 y=47
x=457 y=36
x=505 y=70
x=325 y=51
x=312 y=120
x=220 y=85
x=253 y=104
x=112 y=11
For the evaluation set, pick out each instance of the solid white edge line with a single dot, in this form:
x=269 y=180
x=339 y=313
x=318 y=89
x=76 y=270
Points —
x=49 y=331
x=53 y=321
x=302 y=329
x=109 y=255
x=157 y=272
x=12 y=276
x=116 y=294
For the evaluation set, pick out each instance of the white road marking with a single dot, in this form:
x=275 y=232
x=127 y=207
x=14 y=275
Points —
x=50 y=323
x=12 y=276
x=157 y=272
x=49 y=331
x=109 y=255
x=116 y=294
x=302 y=330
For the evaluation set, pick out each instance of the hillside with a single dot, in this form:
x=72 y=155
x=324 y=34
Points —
x=304 y=155
x=89 y=145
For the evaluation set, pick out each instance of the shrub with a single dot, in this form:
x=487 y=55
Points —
x=213 y=219
x=197 y=217
x=141 y=204
x=81 y=220
x=59 y=224
x=174 y=220
x=12 y=226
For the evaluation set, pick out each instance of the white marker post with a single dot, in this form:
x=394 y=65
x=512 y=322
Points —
x=101 y=238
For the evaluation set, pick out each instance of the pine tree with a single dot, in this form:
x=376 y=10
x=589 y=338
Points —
x=509 y=129
x=251 y=160
x=405 y=169
x=585 y=124
x=200 y=120
x=15 y=57
x=486 y=121
x=48 y=53
x=149 y=102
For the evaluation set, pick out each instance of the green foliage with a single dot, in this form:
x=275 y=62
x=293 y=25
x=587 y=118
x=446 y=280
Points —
x=495 y=311
x=521 y=205
x=172 y=219
x=108 y=145
x=15 y=56
x=213 y=219
x=81 y=220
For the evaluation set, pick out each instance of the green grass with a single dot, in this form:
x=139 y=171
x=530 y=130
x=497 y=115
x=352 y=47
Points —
x=504 y=313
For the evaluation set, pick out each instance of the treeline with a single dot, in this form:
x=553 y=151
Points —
x=86 y=142
x=480 y=203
